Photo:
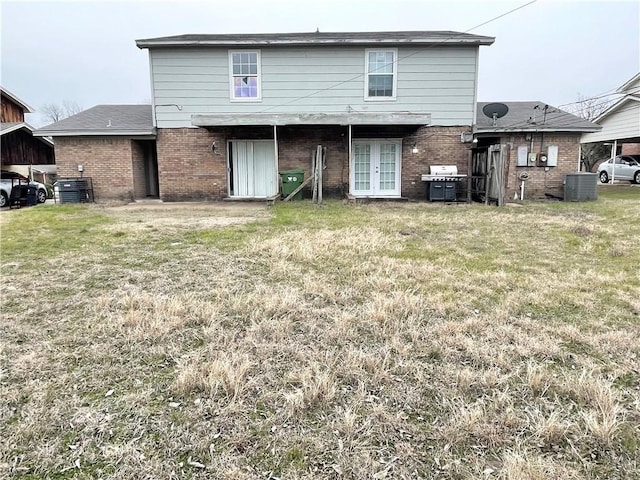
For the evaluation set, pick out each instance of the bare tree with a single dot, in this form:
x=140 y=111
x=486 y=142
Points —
x=590 y=109
x=71 y=107
x=54 y=112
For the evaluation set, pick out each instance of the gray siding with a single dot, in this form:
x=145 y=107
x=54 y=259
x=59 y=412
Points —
x=437 y=80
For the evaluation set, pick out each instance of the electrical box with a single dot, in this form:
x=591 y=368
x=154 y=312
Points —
x=522 y=156
x=552 y=156
x=532 y=158
x=542 y=159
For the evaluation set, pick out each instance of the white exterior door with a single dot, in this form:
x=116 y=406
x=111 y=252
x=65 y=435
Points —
x=253 y=165
x=375 y=169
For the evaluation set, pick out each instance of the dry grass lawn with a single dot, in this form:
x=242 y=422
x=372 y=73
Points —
x=359 y=342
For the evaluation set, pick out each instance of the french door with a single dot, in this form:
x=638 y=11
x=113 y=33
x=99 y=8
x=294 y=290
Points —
x=375 y=168
x=253 y=169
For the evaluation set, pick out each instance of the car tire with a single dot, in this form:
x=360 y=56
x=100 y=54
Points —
x=604 y=177
x=4 y=201
x=636 y=177
x=42 y=196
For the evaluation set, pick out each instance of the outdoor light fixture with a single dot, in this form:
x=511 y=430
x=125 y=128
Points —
x=414 y=149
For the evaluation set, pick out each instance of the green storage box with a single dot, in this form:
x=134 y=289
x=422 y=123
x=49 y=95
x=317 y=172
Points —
x=290 y=180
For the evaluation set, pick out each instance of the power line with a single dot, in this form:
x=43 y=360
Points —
x=597 y=97
x=574 y=122
x=558 y=113
x=395 y=62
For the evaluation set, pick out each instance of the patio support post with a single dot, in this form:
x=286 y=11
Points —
x=349 y=147
x=275 y=149
x=579 y=157
x=614 y=149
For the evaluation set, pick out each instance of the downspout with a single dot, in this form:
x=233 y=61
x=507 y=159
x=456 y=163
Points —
x=153 y=93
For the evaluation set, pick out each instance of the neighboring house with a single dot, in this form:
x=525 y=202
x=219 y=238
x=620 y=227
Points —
x=114 y=145
x=620 y=122
x=233 y=110
x=542 y=141
x=20 y=151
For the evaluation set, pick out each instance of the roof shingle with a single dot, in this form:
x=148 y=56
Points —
x=318 y=38
x=530 y=116
x=104 y=120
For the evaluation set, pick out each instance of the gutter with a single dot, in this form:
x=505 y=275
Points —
x=296 y=43
x=94 y=133
x=539 y=130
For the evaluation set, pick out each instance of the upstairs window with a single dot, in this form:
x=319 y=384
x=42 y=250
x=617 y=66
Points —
x=381 y=74
x=245 y=75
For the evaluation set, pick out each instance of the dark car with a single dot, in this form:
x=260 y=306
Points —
x=8 y=179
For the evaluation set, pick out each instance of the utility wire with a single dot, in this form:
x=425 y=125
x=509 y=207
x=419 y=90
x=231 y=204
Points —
x=525 y=123
x=395 y=62
x=597 y=97
x=555 y=113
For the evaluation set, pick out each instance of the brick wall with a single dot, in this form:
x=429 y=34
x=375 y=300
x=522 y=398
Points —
x=297 y=144
x=549 y=180
x=187 y=167
x=188 y=170
x=630 y=149
x=107 y=160
x=138 y=170
x=436 y=146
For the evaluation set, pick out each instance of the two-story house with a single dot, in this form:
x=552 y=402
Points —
x=20 y=151
x=233 y=110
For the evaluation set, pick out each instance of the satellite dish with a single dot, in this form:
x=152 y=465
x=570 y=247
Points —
x=495 y=111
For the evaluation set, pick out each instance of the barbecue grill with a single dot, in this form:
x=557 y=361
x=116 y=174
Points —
x=442 y=182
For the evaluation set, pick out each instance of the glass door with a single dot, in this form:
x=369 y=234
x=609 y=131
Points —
x=375 y=171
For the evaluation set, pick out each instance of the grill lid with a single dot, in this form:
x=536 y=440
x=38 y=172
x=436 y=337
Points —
x=443 y=170
x=439 y=173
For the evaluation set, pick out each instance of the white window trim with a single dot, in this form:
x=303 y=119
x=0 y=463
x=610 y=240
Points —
x=367 y=98
x=232 y=97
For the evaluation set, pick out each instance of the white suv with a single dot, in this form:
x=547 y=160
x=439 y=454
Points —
x=8 y=179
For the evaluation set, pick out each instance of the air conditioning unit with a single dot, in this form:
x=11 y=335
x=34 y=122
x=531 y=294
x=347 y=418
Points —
x=580 y=187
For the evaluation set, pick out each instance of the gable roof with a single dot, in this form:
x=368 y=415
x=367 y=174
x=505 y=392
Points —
x=628 y=84
x=104 y=120
x=530 y=117
x=318 y=38
x=16 y=100
x=631 y=91
x=8 y=127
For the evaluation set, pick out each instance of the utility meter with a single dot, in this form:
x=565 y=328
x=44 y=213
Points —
x=542 y=159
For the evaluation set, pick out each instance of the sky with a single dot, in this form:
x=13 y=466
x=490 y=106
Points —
x=85 y=51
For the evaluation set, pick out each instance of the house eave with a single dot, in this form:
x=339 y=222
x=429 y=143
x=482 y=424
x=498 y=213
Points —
x=27 y=108
x=27 y=128
x=623 y=88
x=318 y=38
x=280 y=119
x=613 y=108
x=265 y=43
x=18 y=126
x=536 y=130
x=95 y=133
